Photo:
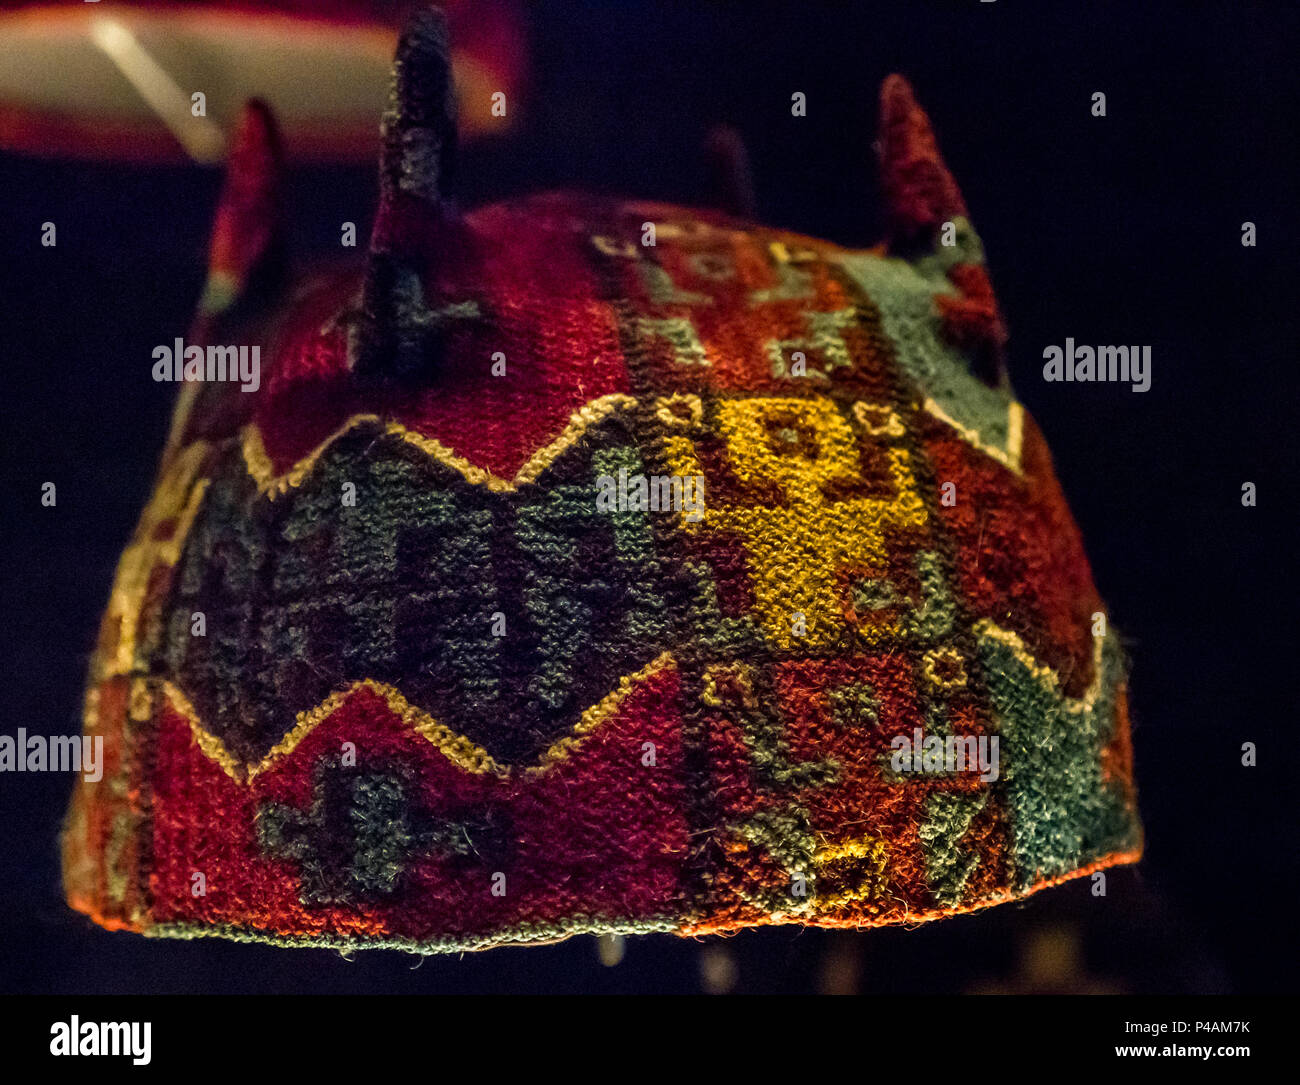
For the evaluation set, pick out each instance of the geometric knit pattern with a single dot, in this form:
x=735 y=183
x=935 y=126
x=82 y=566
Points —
x=466 y=705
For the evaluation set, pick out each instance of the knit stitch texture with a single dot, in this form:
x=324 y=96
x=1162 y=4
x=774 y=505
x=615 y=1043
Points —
x=474 y=707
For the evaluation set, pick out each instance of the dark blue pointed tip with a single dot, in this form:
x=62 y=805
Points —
x=732 y=178
x=423 y=71
x=420 y=126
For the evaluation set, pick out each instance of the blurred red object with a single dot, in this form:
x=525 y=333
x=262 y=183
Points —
x=116 y=80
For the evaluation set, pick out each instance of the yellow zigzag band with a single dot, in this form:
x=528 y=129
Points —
x=269 y=483
x=457 y=748
x=1008 y=457
x=1074 y=705
x=470 y=757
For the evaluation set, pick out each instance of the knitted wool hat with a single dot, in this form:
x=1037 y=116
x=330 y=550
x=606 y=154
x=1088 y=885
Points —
x=594 y=566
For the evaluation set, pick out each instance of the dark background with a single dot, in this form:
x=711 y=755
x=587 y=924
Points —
x=1117 y=230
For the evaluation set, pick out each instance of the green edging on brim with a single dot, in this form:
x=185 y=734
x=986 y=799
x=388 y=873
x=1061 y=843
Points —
x=526 y=934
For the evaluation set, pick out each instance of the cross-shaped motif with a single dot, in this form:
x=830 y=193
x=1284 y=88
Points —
x=362 y=833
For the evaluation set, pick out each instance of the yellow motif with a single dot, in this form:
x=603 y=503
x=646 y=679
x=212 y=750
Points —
x=799 y=550
x=862 y=863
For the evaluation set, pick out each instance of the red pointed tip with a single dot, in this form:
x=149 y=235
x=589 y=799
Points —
x=896 y=94
x=920 y=192
x=257 y=135
x=248 y=214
